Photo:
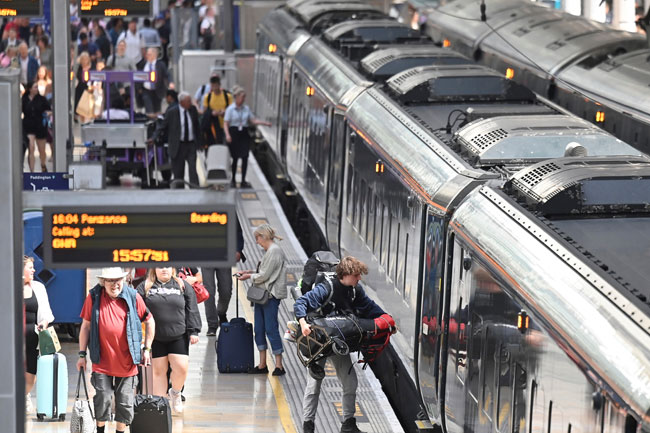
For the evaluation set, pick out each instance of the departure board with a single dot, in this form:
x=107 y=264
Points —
x=114 y=8
x=144 y=236
x=21 y=8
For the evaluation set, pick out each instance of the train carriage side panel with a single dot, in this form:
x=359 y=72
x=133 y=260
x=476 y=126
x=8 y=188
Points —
x=579 y=363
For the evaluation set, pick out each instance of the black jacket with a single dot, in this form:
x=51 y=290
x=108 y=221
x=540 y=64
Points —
x=176 y=312
x=172 y=125
x=161 y=77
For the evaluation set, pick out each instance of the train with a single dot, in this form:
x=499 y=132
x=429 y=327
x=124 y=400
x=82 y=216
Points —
x=594 y=70
x=506 y=236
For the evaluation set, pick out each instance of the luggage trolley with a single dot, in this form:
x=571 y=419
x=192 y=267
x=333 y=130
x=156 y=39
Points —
x=129 y=136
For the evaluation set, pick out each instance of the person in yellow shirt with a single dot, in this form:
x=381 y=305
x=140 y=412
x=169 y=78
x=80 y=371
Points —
x=215 y=104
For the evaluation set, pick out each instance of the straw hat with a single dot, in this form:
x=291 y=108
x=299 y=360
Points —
x=112 y=273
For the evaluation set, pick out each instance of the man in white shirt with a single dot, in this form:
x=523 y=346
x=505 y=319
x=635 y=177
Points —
x=181 y=122
x=133 y=42
x=153 y=92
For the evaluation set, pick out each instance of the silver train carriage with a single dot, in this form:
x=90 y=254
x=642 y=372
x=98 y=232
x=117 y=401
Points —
x=591 y=69
x=391 y=178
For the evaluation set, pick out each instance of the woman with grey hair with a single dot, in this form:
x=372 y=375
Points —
x=270 y=275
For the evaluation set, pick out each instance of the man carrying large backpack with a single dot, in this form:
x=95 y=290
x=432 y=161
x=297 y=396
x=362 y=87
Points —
x=342 y=295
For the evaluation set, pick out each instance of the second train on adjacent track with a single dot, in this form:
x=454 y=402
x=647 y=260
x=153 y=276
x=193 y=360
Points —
x=507 y=237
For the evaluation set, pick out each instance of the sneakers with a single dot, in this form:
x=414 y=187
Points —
x=175 y=401
x=212 y=332
x=350 y=426
x=245 y=184
x=308 y=427
x=29 y=407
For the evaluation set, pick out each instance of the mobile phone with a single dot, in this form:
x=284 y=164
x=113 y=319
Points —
x=237 y=275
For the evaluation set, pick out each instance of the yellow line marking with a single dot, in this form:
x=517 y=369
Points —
x=278 y=392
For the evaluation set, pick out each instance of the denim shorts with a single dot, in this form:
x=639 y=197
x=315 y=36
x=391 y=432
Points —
x=124 y=390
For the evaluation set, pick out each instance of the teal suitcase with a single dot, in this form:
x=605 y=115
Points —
x=51 y=387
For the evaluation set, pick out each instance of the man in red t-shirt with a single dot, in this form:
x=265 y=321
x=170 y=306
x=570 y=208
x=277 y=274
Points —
x=112 y=315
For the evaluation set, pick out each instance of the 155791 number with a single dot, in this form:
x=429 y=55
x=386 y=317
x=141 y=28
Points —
x=140 y=255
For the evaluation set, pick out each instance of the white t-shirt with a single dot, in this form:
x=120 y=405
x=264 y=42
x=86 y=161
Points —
x=133 y=45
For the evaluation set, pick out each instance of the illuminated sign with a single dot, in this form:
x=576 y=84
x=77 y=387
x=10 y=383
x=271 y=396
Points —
x=21 y=8
x=142 y=236
x=114 y=8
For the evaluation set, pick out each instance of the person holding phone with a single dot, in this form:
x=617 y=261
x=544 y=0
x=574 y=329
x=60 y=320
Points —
x=38 y=316
x=272 y=275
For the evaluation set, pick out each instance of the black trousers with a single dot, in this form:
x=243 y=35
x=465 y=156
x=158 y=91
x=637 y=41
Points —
x=224 y=289
x=186 y=152
x=151 y=101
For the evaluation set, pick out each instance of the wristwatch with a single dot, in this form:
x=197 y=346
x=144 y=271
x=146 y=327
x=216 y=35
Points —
x=82 y=354
x=148 y=349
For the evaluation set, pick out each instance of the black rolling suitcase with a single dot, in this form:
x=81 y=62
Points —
x=234 y=344
x=151 y=413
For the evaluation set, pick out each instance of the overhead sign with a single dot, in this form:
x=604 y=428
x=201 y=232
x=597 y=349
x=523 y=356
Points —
x=114 y=8
x=138 y=236
x=21 y=8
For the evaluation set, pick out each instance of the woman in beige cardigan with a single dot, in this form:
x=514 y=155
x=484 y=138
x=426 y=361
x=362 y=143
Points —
x=271 y=275
x=38 y=315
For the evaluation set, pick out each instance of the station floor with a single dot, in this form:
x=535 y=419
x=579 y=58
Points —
x=218 y=402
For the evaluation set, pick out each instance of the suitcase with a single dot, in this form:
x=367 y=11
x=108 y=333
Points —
x=51 y=387
x=234 y=344
x=151 y=413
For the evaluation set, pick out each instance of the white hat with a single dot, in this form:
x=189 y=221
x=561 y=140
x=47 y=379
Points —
x=112 y=273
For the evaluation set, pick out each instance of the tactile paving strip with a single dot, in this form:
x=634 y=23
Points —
x=375 y=415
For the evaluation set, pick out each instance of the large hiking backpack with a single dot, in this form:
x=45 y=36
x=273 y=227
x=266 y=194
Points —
x=320 y=261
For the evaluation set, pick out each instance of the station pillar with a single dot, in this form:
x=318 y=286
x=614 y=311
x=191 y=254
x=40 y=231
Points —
x=61 y=106
x=623 y=15
x=594 y=10
x=12 y=373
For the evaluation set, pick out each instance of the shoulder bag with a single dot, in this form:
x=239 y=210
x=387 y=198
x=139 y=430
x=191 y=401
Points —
x=202 y=293
x=257 y=295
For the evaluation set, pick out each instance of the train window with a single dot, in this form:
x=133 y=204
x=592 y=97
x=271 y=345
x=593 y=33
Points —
x=349 y=203
x=355 y=199
x=489 y=370
x=474 y=355
x=533 y=391
x=376 y=225
x=369 y=209
x=381 y=235
x=389 y=240
x=519 y=400
x=406 y=260
x=461 y=339
x=504 y=390
x=362 y=207
x=397 y=254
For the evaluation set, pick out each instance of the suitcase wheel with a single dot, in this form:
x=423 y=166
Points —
x=40 y=416
x=62 y=417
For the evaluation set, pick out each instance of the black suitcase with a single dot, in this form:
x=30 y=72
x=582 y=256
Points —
x=234 y=344
x=151 y=413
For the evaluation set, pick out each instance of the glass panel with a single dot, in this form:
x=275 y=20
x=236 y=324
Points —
x=519 y=404
x=475 y=355
x=504 y=398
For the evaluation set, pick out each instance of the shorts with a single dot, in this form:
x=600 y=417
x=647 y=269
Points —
x=179 y=346
x=124 y=390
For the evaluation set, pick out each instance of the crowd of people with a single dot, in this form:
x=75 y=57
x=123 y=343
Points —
x=153 y=319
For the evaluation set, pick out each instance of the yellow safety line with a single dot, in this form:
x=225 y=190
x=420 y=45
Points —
x=278 y=392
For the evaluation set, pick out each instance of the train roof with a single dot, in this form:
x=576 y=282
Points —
x=370 y=31
x=527 y=139
x=318 y=16
x=335 y=76
x=280 y=27
x=552 y=40
x=622 y=80
x=455 y=83
x=386 y=62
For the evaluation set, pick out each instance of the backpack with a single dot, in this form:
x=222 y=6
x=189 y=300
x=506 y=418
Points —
x=207 y=121
x=320 y=261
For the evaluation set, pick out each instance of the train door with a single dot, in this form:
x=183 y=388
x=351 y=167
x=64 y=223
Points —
x=457 y=300
x=335 y=182
x=431 y=313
